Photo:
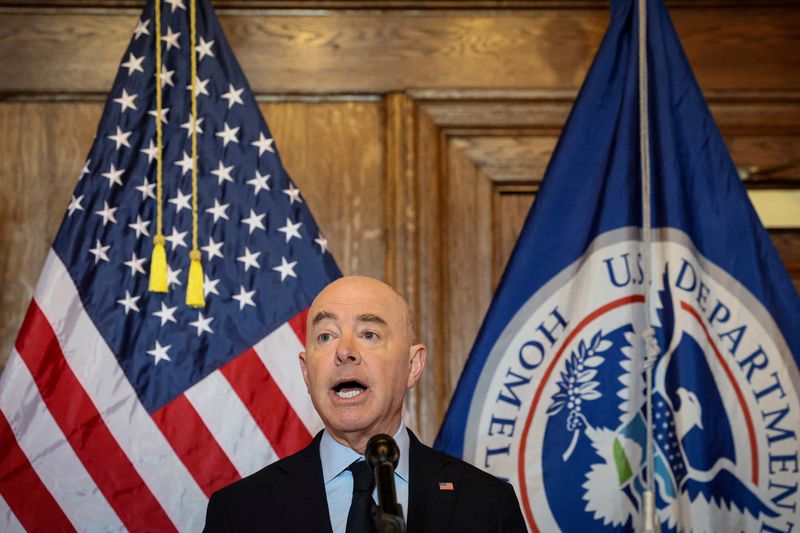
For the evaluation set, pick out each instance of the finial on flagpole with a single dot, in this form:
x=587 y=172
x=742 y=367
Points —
x=649 y=522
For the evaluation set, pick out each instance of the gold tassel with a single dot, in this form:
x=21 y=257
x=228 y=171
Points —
x=194 y=292
x=158 y=265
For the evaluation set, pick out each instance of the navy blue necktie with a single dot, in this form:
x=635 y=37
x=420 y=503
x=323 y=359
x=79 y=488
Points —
x=359 y=518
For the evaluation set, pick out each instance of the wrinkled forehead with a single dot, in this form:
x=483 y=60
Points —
x=358 y=300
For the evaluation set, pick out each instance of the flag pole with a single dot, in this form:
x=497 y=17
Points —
x=649 y=520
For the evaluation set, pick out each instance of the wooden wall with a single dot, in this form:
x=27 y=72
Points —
x=417 y=131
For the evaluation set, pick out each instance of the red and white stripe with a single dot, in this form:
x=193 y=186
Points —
x=79 y=451
x=227 y=418
x=8 y=522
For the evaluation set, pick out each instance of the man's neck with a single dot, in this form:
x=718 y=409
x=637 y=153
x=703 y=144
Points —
x=357 y=441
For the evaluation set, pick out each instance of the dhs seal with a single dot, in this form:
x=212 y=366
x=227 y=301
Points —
x=559 y=409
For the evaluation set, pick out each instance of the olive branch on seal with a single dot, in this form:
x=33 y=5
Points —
x=577 y=385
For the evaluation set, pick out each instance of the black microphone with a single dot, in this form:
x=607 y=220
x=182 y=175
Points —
x=383 y=455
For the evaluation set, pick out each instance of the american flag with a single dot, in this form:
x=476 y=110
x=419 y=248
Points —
x=125 y=409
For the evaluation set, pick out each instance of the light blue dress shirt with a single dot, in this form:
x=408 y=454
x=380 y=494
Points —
x=339 y=480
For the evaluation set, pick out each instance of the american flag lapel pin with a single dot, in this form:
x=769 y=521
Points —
x=445 y=485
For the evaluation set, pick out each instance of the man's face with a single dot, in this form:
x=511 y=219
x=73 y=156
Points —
x=359 y=361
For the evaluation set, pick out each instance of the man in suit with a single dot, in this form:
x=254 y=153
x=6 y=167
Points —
x=360 y=359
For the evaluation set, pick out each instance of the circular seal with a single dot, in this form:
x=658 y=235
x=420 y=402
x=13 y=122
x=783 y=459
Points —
x=560 y=408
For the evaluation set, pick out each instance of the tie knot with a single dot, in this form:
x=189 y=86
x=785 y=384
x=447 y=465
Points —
x=363 y=479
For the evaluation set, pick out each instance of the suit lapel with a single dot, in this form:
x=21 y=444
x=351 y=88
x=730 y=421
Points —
x=430 y=505
x=302 y=500
x=301 y=495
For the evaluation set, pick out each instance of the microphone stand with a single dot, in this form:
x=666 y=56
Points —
x=383 y=455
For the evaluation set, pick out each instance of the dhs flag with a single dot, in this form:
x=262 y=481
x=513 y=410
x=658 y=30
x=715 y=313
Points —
x=553 y=394
x=124 y=409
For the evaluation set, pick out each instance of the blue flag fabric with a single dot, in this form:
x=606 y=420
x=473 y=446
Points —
x=552 y=395
x=250 y=221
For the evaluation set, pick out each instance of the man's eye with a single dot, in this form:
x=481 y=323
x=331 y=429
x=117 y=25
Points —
x=370 y=335
x=324 y=337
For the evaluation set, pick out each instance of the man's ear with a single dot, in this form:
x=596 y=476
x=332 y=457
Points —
x=304 y=368
x=417 y=355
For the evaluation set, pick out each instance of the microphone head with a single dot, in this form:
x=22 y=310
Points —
x=382 y=448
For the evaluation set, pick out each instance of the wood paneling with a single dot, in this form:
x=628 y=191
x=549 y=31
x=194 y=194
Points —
x=468 y=253
x=46 y=143
x=427 y=247
x=759 y=154
x=345 y=194
x=509 y=159
x=374 y=52
x=788 y=244
x=512 y=204
x=44 y=147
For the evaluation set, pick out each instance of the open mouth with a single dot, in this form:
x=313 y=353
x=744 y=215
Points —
x=349 y=389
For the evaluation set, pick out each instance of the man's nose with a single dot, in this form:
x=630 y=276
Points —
x=347 y=351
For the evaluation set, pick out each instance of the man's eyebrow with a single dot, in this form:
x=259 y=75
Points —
x=322 y=315
x=369 y=317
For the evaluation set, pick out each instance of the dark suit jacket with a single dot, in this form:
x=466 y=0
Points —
x=289 y=496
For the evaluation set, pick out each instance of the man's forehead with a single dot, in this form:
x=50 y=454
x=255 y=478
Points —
x=349 y=308
x=357 y=298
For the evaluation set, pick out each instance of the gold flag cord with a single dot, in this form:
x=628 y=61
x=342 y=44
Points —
x=194 y=289
x=158 y=260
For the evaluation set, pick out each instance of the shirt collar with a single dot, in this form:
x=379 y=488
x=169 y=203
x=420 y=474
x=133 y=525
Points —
x=337 y=457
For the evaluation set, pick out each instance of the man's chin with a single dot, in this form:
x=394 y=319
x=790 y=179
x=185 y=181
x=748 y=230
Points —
x=351 y=423
x=347 y=425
